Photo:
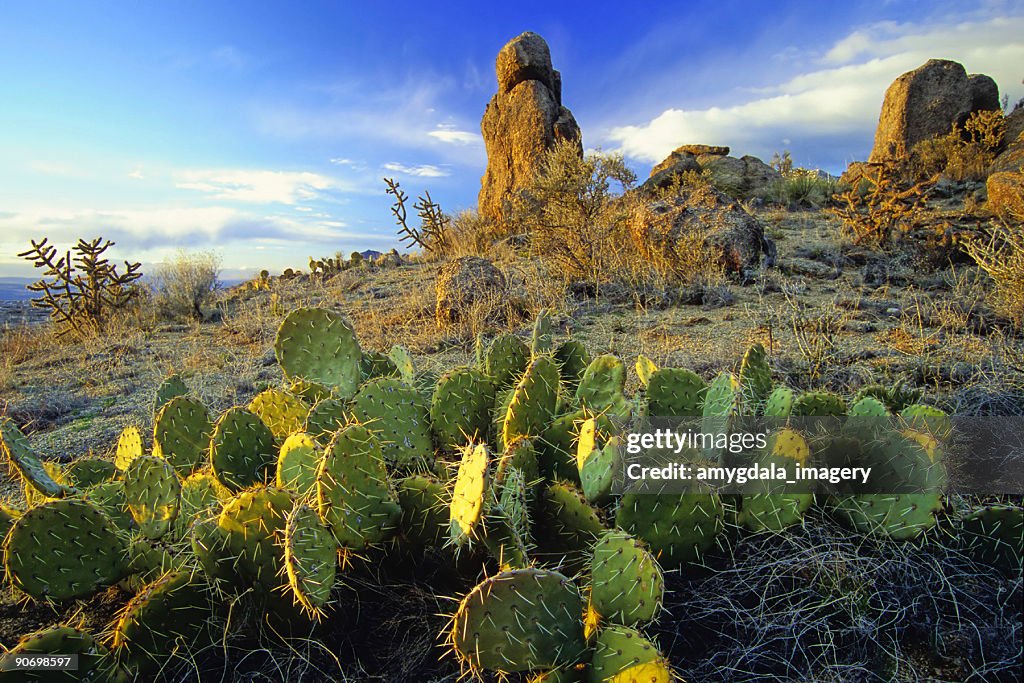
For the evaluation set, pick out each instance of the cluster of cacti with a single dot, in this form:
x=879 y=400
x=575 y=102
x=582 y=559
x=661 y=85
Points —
x=513 y=458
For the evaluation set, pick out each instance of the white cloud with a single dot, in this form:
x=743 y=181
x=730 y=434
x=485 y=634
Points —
x=451 y=135
x=839 y=99
x=421 y=171
x=259 y=186
x=136 y=173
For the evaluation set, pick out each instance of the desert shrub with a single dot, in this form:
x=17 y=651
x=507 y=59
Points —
x=81 y=289
x=569 y=213
x=801 y=187
x=186 y=283
x=471 y=234
x=432 y=235
x=1002 y=257
x=881 y=205
x=965 y=153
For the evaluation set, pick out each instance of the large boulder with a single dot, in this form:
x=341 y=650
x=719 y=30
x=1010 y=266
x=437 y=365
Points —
x=470 y=286
x=699 y=219
x=523 y=120
x=1011 y=158
x=927 y=102
x=1005 y=191
x=673 y=166
x=740 y=177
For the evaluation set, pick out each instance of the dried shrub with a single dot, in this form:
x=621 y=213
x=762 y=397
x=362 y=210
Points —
x=83 y=291
x=1001 y=256
x=965 y=153
x=432 y=235
x=882 y=204
x=186 y=283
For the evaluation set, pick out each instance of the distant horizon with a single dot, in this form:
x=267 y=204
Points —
x=262 y=134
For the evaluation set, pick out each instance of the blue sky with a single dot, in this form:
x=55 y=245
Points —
x=261 y=130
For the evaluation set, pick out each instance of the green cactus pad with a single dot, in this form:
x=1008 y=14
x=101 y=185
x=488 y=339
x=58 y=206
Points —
x=376 y=364
x=425 y=510
x=129 y=447
x=519 y=620
x=181 y=434
x=597 y=457
x=242 y=450
x=396 y=413
x=624 y=655
x=521 y=455
x=281 y=411
x=543 y=333
x=402 y=360
x=310 y=558
x=567 y=525
x=326 y=417
x=147 y=562
x=506 y=360
x=994 y=534
x=172 y=387
x=573 y=359
x=556 y=447
x=868 y=406
x=20 y=454
x=89 y=471
x=723 y=396
x=626 y=583
x=901 y=517
x=761 y=508
x=755 y=375
x=460 y=410
x=58 y=640
x=153 y=493
x=645 y=367
x=679 y=528
x=532 y=402
x=298 y=462
x=819 y=404
x=780 y=402
x=675 y=392
x=469 y=495
x=166 y=617
x=508 y=523
x=319 y=345
x=109 y=499
x=929 y=419
x=602 y=385
x=8 y=516
x=201 y=495
x=308 y=391
x=63 y=549
x=253 y=522
x=353 y=493
x=209 y=544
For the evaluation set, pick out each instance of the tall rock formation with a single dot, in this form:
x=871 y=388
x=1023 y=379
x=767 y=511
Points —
x=926 y=102
x=522 y=121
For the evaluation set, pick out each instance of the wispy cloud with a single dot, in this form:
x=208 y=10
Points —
x=261 y=186
x=840 y=99
x=446 y=132
x=421 y=171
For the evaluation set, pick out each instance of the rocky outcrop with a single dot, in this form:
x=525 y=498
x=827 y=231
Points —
x=742 y=177
x=1005 y=191
x=927 y=102
x=1011 y=158
x=469 y=285
x=523 y=120
x=700 y=220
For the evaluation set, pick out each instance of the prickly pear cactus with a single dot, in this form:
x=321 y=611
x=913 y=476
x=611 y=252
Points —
x=20 y=454
x=532 y=402
x=573 y=359
x=326 y=417
x=242 y=450
x=567 y=525
x=172 y=387
x=166 y=616
x=109 y=499
x=298 y=462
x=282 y=412
x=645 y=367
x=819 y=404
x=425 y=514
x=152 y=491
x=460 y=411
x=396 y=413
x=201 y=495
x=598 y=456
x=623 y=655
x=521 y=455
x=319 y=345
x=181 y=434
x=469 y=499
x=506 y=360
x=353 y=494
x=675 y=392
x=59 y=640
x=129 y=447
x=761 y=508
x=508 y=523
x=402 y=360
x=679 y=528
x=556 y=447
x=755 y=376
x=310 y=558
x=602 y=386
x=89 y=471
x=994 y=534
x=63 y=549
x=626 y=583
x=519 y=620
x=253 y=525
x=780 y=402
x=543 y=333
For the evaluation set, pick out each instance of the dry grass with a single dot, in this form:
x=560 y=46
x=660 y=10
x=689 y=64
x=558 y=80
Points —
x=1002 y=258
